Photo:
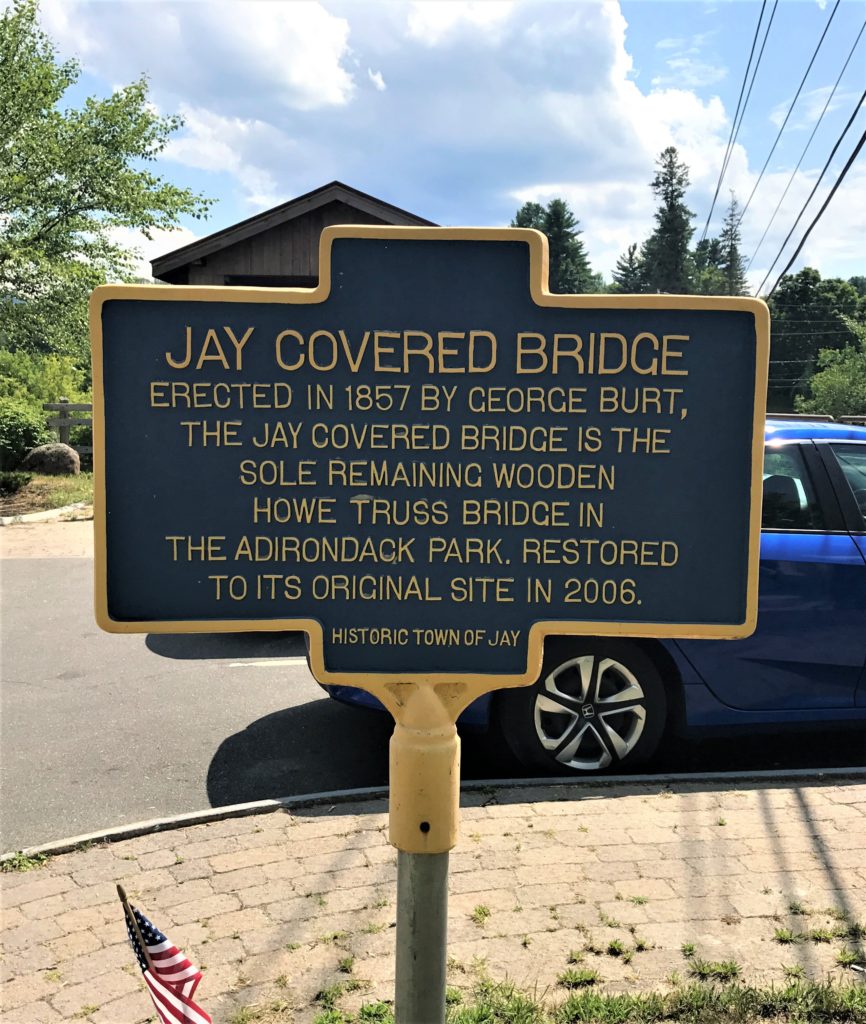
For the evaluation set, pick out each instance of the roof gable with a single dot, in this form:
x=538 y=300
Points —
x=335 y=191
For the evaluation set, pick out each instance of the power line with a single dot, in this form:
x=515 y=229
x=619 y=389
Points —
x=790 y=109
x=824 y=206
x=808 y=334
x=749 y=93
x=850 y=121
x=734 y=122
x=809 y=143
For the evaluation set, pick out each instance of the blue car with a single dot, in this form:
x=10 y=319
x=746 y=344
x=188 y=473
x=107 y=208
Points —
x=605 y=704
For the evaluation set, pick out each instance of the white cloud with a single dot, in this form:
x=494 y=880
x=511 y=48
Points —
x=809 y=107
x=377 y=79
x=690 y=73
x=146 y=249
x=496 y=103
x=292 y=53
x=834 y=247
x=215 y=143
x=432 y=22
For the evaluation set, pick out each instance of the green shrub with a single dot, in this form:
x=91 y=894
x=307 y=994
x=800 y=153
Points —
x=21 y=428
x=12 y=482
x=33 y=378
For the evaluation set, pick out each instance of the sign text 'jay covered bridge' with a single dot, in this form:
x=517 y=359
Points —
x=427 y=461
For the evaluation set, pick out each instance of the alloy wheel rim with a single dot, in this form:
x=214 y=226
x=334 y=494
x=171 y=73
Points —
x=590 y=712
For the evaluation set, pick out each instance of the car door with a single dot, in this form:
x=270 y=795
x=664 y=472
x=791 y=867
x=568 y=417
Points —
x=846 y=465
x=808 y=649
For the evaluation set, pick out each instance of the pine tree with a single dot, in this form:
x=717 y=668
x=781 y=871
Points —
x=628 y=275
x=570 y=271
x=569 y=264
x=665 y=254
x=732 y=265
x=530 y=215
x=709 y=276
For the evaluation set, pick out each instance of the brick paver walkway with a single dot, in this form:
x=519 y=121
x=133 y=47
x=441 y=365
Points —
x=274 y=905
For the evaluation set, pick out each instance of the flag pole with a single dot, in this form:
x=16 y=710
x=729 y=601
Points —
x=130 y=916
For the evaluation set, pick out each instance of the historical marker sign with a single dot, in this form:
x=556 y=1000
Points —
x=427 y=462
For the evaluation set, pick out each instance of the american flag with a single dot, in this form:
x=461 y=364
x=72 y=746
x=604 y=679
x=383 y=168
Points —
x=174 y=978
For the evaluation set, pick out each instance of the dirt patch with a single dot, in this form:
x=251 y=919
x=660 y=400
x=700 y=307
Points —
x=48 y=492
x=47 y=540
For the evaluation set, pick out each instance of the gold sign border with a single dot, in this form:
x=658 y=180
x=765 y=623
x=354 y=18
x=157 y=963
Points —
x=538 y=276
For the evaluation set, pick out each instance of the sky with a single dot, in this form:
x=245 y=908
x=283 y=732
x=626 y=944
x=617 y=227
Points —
x=461 y=111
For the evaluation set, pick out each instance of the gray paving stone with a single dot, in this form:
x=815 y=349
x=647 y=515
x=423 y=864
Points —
x=282 y=896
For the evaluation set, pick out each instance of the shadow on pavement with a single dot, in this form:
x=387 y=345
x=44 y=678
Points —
x=311 y=748
x=200 y=646
x=323 y=746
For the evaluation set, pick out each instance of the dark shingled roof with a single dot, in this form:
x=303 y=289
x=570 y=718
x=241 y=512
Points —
x=334 y=191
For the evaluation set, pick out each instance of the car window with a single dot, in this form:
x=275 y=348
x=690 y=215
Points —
x=852 y=459
x=789 y=497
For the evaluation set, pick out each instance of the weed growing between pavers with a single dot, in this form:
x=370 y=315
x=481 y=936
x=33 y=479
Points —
x=278 y=1011
x=22 y=862
x=711 y=970
x=504 y=1003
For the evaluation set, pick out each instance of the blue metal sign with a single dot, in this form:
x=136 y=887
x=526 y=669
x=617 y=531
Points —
x=428 y=462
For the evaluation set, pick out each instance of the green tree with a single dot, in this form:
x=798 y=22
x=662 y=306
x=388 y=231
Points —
x=628 y=274
x=570 y=271
x=859 y=284
x=808 y=315
x=839 y=386
x=530 y=215
x=667 y=261
x=732 y=264
x=709 y=276
x=68 y=179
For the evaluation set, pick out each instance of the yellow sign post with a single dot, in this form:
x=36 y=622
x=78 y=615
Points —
x=429 y=463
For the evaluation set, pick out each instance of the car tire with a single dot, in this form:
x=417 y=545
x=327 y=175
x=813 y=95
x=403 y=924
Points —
x=598 y=706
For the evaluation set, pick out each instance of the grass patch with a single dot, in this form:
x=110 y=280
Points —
x=377 y=1013
x=798 y=909
x=786 y=937
x=797 y=1003
x=821 y=935
x=278 y=1011
x=453 y=996
x=578 y=977
x=847 y=957
x=480 y=914
x=328 y=996
x=22 y=862
x=41 y=493
x=688 y=949
x=346 y=965
x=714 y=970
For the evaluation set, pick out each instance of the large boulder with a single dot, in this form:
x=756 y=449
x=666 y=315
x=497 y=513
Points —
x=53 y=460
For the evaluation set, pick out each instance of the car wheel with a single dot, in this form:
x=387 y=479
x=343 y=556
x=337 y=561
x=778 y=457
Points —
x=599 y=706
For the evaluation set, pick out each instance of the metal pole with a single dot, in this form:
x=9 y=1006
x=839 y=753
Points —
x=422 y=924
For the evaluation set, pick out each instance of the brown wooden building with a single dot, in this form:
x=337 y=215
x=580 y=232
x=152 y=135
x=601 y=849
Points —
x=280 y=247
